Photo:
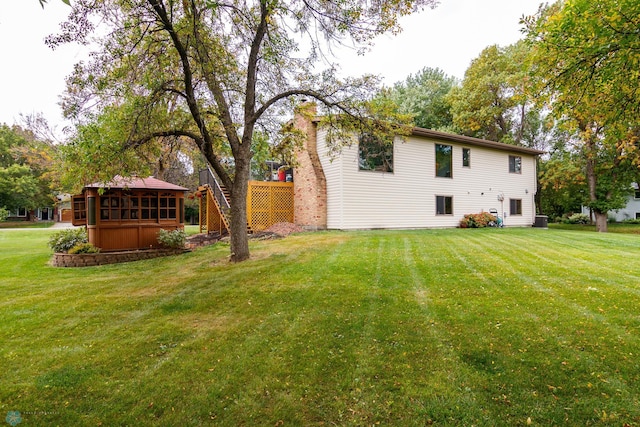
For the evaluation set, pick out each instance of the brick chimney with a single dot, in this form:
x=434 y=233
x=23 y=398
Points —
x=310 y=184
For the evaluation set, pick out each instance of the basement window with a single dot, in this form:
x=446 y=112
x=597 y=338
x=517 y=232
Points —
x=444 y=205
x=515 y=207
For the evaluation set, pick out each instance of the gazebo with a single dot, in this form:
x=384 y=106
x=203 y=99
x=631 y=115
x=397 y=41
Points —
x=127 y=213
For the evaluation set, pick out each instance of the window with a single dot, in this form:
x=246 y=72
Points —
x=79 y=209
x=21 y=212
x=375 y=154
x=129 y=207
x=466 y=157
x=515 y=207
x=168 y=207
x=637 y=215
x=515 y=164
x=637 y=195
x=149 y=206
x=90 y=215
x=110 y=206
x=443 y=160
x=444 y=205
x=118 y=205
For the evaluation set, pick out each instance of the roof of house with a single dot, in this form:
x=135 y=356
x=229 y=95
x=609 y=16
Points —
x=137 y=183
x=443 y=136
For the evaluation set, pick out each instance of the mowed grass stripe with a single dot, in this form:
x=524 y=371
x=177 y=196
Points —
x=443 y=327
x=513 y=278
x=577 y=281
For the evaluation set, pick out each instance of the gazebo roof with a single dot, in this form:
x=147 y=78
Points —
x=137 y=183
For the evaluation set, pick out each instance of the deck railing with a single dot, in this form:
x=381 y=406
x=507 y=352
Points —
x=208 y=177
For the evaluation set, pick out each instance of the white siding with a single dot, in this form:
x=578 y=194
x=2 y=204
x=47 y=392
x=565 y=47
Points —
x=406 y=198
x=332 y=167
x=630 y=211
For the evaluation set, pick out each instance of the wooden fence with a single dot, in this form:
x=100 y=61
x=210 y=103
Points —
x=269 y=203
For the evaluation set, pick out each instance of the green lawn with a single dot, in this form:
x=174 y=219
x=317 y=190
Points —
x=433 y=327
x=26 y=224
x=616 y=227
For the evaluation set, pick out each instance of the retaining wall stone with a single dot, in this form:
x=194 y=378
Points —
x=102 y=258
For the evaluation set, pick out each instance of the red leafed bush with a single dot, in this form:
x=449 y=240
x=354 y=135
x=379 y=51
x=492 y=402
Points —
x=478 y=220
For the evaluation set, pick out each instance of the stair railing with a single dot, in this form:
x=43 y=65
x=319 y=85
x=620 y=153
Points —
x=207 y=177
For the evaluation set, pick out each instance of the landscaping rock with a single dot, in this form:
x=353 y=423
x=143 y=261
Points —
x=284 y=229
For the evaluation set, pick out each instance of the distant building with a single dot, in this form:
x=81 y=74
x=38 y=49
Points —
x=630 y=211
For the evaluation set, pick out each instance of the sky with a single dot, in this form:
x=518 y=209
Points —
x=449 y=37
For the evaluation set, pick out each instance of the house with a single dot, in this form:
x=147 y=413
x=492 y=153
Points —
x=19 y=214
x=432 y=179
x=630 y=211
x=38 y=214
x=127 y=213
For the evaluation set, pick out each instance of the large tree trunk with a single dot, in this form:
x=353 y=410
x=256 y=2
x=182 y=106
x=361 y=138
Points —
x=601 y=221
x=239 y=236
x=592 y=182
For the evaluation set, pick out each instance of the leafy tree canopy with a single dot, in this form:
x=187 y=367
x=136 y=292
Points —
x=493 y=102
x=423 y=95
x=25 y=164
x=586 y=57
x=587 y=50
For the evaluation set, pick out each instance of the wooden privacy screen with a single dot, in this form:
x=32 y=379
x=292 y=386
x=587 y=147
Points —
x=269 y=203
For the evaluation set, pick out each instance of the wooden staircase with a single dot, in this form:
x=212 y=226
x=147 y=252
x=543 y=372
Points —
x=214 y=215
x=215 y=205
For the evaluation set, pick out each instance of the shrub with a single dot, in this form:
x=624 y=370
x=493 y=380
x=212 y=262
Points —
x=175 y=239
x=64 y=240
x=84 y=248
x=4 y=214
x=631 y=221
x=478 y=220
x=578 y=218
